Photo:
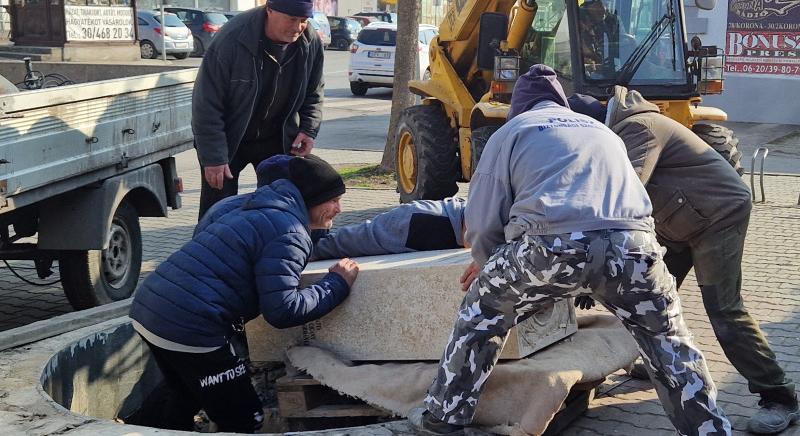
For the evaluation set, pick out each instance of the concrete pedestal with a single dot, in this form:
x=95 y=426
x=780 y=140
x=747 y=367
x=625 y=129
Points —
x=401 y=307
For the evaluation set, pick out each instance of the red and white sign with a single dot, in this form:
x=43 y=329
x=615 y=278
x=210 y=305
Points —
x=763 y=37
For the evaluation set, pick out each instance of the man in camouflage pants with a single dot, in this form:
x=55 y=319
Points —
x=566 y=216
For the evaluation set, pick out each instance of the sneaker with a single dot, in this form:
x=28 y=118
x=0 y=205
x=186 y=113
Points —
x=424 y=423
x=773 y=417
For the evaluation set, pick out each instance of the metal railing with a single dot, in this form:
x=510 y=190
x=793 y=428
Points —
x=761 y=174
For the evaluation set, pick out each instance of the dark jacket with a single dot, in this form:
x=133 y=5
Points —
x=225 y=91
x=692 y=188
x=245 y=258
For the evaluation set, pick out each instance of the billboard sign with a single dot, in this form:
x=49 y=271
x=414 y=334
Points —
x=763 y=37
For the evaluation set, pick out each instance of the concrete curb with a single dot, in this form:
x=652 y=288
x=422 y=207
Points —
x=25 y=407
x=63 y=323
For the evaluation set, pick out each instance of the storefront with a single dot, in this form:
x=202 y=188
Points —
x=761 y=41
x=77 y=27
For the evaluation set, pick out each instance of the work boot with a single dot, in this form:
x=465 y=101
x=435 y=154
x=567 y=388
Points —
x=425 y=424
x=773 y=417
x=638 y=370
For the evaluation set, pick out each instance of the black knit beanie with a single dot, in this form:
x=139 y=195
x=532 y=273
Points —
x=295 y=8
x=316 y=179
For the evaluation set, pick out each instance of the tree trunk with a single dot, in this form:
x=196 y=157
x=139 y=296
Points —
x=405 y=68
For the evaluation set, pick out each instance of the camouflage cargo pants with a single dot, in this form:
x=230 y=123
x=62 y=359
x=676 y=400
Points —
x=624 y=271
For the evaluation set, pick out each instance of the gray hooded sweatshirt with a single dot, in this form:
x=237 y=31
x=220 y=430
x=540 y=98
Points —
x=417 y=226
x=692 y=187
x=551 y=171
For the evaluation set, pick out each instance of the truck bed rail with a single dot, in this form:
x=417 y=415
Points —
x=56 y=139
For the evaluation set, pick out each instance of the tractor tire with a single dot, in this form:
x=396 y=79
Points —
x=480 y=137
x=427 y=160
x=724 y=141
x=94 y=277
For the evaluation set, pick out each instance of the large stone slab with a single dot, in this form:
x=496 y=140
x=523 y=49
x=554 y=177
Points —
x=401 y=307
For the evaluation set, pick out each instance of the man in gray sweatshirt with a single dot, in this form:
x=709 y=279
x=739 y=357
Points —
x=421 y=225
x=555 y=210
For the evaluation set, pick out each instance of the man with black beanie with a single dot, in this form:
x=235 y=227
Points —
x=258 y=93
x=244 y=260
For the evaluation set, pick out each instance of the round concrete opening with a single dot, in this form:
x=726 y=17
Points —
x=105 y=375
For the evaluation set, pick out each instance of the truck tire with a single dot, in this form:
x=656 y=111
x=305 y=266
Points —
x=427 y=155
x=724 y=141
x=480 y=137
x=94 y=277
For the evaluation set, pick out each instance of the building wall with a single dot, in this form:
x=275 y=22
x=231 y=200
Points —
x=753 y=97
x=243 y=5
x=433 y=11
x=5 y=21
x=352 y=7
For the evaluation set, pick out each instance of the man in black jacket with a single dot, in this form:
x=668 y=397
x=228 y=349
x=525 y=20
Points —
x=258 y=93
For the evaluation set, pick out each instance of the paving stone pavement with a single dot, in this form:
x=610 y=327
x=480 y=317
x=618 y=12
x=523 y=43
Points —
x=624 y=406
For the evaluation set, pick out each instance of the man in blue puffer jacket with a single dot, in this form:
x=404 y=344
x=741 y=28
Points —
x=244 y=259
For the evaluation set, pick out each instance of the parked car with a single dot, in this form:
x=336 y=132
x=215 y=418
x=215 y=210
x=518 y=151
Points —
x=177 y=38
x=323 y=36
x=386 y=17
x=230 y=14
x=203 y=24
x=344 y=31
x=372 y=56
x=322 y=19
x=364 y=21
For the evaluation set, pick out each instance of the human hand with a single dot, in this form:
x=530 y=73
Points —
x=302 y=145
x=346 y=268
x=216 y=175
x=469 y=276
x=584 y=302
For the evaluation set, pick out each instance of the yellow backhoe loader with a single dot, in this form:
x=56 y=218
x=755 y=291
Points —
x=483 y=46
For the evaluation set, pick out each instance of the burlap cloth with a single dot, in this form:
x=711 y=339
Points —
x=521 y=397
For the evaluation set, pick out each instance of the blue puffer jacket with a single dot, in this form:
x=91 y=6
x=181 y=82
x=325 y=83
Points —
x=245 y=258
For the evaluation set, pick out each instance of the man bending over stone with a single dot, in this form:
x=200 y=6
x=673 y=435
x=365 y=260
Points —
x=420 y=225
x=555 y=210
x=244 y=260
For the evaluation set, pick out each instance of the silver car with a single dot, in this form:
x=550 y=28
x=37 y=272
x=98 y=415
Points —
x=177 y=38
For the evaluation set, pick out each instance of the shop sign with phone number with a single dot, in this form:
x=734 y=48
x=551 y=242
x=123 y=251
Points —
x=99 y=23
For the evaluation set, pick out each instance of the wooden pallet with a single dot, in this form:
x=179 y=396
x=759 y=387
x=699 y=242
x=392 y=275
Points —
x=301 y=396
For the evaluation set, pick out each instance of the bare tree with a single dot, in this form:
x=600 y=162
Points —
x=406 y=66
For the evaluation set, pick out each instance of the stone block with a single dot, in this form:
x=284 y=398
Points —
x=401 y=307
